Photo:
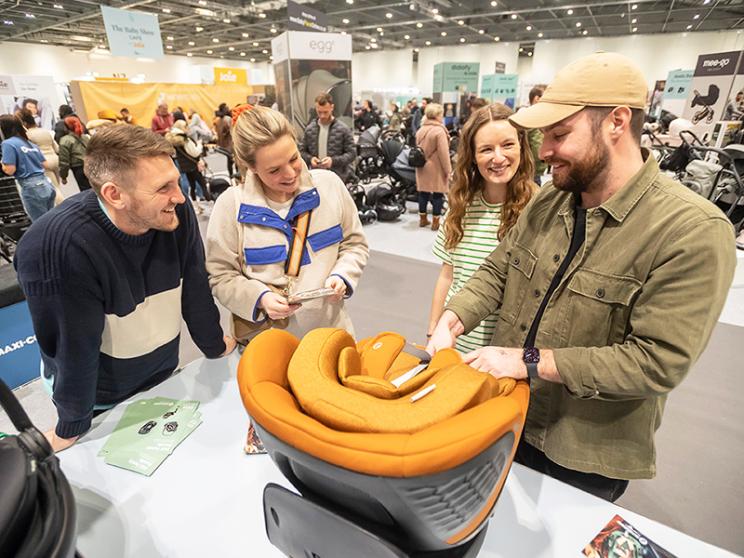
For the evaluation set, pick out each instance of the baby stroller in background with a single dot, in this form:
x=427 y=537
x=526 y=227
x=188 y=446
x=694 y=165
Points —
x=13 y=218
x=386 y=202
x=705 y=101
x=366 y=212
x=402 y=175
x=217 y=183
x=369 y=160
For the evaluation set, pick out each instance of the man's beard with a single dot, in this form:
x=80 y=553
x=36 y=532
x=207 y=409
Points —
x=582 y=174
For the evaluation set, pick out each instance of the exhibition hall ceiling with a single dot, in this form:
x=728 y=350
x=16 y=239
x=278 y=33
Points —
x=235 y=29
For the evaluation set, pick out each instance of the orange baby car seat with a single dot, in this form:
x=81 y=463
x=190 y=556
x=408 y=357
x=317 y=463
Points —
x=394 y=454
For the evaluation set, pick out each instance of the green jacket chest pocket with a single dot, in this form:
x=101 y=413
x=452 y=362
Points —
x=599 y=308
x=522 y=264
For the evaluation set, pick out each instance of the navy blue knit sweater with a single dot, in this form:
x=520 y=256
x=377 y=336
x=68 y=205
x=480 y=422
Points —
x=107 y=306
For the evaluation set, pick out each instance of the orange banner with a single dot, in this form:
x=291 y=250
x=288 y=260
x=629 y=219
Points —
x=228 y=76
x=142 y=99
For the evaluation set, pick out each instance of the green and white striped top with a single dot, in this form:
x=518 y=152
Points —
x=480 y=226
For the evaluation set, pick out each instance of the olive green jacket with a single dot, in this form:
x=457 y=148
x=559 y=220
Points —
x=535 y=139
x=633 y=312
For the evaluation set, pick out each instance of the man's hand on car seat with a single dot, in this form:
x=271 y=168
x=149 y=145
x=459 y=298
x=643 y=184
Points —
x=57 y=443
x=500 y=362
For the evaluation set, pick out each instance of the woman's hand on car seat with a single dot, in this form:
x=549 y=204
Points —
x=448 y=328
x=337 y=284
x=277 y=307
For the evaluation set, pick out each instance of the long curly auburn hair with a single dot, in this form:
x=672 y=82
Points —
x=468 y=183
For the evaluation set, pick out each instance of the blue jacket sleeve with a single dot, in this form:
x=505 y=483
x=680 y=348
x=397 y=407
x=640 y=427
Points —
x=198 y=307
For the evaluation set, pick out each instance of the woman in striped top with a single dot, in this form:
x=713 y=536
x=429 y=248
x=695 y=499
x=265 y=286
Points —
x=492 y=184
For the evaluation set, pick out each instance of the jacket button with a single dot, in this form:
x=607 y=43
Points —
x=600 y=292
x=537 y=293
x=516 y=261
x=523 y=327
x=556 y=258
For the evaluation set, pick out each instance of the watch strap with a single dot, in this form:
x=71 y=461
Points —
x=532 y=370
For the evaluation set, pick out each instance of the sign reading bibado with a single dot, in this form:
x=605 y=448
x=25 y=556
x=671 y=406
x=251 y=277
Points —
x=132 y=33
x=302 y=18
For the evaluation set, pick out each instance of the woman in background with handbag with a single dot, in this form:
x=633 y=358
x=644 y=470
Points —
x=72 y=152
x=432 y=179
x=285 y=230
x=492 y=184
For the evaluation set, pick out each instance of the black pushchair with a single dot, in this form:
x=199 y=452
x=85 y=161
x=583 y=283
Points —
x=13 y=218
x=402 y=174
x=385 y=199
x=369 y=160
x=706 y=102
x=366 y=212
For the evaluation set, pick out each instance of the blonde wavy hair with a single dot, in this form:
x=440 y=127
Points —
x=468 y=183
x=256 y=128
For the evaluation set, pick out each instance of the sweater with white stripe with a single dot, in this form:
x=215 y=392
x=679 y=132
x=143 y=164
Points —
x=107 y=306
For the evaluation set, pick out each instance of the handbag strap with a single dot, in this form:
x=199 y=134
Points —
x=13 y=408
x=297 y=248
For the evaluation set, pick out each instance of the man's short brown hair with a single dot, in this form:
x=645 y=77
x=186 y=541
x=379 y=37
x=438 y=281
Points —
x=637 y=118
x=324 y=99
x=113 y=152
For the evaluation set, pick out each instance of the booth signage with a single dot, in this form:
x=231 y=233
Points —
x=304 y=18
x=499 y=68
x=230 y=76
x=678 y=84
x=719 y=64
x=132 y=33
x=306 y=45
x=456 y=76
x=500 y=87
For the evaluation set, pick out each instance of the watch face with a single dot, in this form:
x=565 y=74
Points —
x=531 y=355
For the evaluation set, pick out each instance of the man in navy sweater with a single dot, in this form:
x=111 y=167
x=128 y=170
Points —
x=109 y=274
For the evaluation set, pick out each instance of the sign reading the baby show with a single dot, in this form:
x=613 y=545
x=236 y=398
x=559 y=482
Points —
x=132 y=33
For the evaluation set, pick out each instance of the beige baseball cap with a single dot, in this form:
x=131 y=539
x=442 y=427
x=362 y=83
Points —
x=602 y=79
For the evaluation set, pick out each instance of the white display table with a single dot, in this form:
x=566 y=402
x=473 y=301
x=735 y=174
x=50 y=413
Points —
x=206 y=498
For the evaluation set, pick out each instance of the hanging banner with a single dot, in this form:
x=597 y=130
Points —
x=132 y=33
x=304 y=18
x=230 y=76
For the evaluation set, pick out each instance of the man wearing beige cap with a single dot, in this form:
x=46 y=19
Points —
x=607 y=288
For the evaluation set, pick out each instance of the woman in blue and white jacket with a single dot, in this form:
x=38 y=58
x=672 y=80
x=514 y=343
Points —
x=251 y=229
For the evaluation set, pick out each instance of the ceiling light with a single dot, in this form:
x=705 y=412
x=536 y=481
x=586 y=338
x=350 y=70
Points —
x=416 y=50
x=435 y=10
x=696 y=16
x=245 y=35
x=262 y=15
x=81 y=38
x=634 y=6
x=30 y=16
x=379 y=29
x=367 y=47
x=271 y=57
x=382 y=33
x=419 y=25
x=443 y=33
x=210 y=51
x=585 y=32
x=462 y=39
x=215 y=40
x=242 y=54
x=202 y=2
x=689 y=27
x=514 y=16
x=494 y=3
x=373 y=40
x=231 y=49
x=169 y=47
x=389 y=15
x=349 y=1
x=345 y=21
x=521 y=49
x=529 y=54
x=264 y=51
x=407 y=37
x=540 y=35
x=44 y=41
x=481 y=31
x=622 y=15
x=273 y=29
x=706 y=2
x=226 y=20
x=255 y=43
x=59 y=6
x=578 y=24
x=428 y=43
x=253 y=59
x=343 y=32
x=170 y=38
x=460 y=22
x=529 y=28
x=497 y=39
x=191 y=43
x=569 y=11
x=199 y=29
x=189 y=54
x=374 y=45
x=439 y=17
x=204 y=12
x=634 y=29
x=166 y=10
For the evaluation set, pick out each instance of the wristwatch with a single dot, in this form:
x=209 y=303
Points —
x=531 y=357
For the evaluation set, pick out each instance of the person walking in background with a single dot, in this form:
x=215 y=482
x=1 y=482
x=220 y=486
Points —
x=368 y=117
x=162 y=121
x=432 y=179
x=72 y=153
x=396 y=121
x=327 y=142
x=59 y=127
x=25 y=161
x=49 y=148
x=419 y=114
x=198 y=129
x=189 y=159
x=223 y=129
x=535 y=136
x=491 y=185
